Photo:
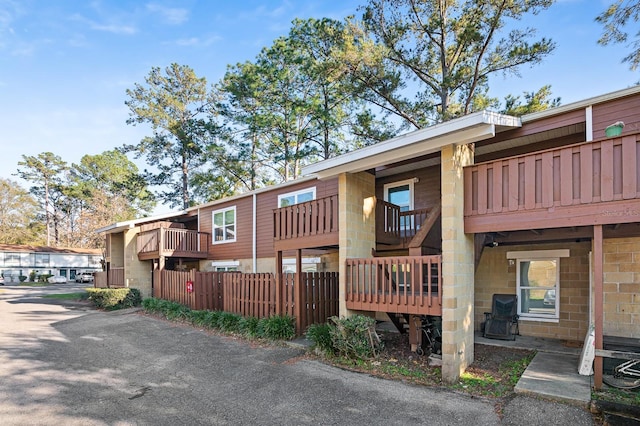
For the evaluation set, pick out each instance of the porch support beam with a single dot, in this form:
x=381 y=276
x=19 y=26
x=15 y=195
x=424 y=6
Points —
x=297 y=292
x=598 y=302
x=279 y=283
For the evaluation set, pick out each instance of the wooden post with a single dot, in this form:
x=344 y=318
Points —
x=415 y=332
x=279 y=283
x=297 y=292
x=598 y=302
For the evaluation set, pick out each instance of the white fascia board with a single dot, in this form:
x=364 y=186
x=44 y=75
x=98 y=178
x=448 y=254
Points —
x=580 y=104
x=121 y=226
x=467 y=129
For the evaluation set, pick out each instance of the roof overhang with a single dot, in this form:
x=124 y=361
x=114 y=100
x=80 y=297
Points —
x=130 y=224
x=470 y=128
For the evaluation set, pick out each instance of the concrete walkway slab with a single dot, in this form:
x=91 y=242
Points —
x=555 y=376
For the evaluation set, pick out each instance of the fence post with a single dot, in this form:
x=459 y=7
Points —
x=279 y=279
x=297 y=292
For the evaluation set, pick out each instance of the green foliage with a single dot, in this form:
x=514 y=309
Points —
x=274 y=328
x=449 y=49
x=43 y=278
x=174 y=104
x=249 y=326
x=615 y=19
x=278 y=327
x=114 y=298
x=22 y=278
x=32 y=276
x=229 y=322
x=67 y=296
x=533 y=102
x=355 y=337
x=320 y=335
x=19 y=222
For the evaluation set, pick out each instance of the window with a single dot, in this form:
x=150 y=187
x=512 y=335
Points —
x=224 y=225
x=12 y=259
x=401 y=194
x=42 y=260
x=226 y=266
x=538 y=283
x=297 y=197
x=309 y=264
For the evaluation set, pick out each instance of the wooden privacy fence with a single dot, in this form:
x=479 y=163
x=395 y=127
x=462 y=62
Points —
x=256 y=295
x=206 y=291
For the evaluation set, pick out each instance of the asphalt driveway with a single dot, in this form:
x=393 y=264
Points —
x=68 y=364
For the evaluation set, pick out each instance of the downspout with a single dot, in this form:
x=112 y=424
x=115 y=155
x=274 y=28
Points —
x=588 y=112
x=254 y=238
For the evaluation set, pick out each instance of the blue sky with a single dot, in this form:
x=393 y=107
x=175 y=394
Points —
x=65 y=64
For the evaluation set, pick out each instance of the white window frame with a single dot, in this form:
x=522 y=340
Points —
x=410 y=182
x=296 y=194
x=533 y=255
x=226 y=266
x=289 y=264
x=214 y=227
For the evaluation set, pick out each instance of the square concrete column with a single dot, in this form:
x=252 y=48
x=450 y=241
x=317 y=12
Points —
x=357 y=211
x=457 y=266
x=137 y=273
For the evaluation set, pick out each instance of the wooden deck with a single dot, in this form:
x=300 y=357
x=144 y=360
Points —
x=591 y=183
x=388 y=284
x=172 y=242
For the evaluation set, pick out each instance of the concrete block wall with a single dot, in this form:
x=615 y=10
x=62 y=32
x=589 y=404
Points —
x=457 y=266
x=496 y=275
x=357 y=213
x=137 y=274
x=621 y=287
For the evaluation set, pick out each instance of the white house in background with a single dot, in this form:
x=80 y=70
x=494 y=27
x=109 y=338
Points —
x=21 y=260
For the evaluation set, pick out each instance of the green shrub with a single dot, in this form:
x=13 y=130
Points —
x=211 y=320
x=320 y=335
x=22 y=278
x=32 y=276
x=198 y=318
x=175 y=311
x=277 y=327
x=229 y=322
x=355 y=337
x=44 y=277
x=114 y=298
x=249 y=326
x=151 y=305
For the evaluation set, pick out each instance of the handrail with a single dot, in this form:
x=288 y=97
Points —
x=315 y=217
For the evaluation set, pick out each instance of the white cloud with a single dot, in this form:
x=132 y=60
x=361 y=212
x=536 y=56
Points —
x=174 y=16
x=196 y=41
x=111 y=27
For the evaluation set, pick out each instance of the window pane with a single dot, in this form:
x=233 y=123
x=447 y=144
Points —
x=231 y=232
x=217 y=219
x=306 y=196
x=287 y=201
x=218 y=234
x=538 y=287
x=399 y=196
x=229 y=217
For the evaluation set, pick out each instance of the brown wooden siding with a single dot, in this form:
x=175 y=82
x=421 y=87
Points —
x=624 y=109
x=584 y=184
x=427 y=188
x=266 y=202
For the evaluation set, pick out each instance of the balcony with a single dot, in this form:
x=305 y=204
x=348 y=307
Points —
x=172 y=242
x=311 y=224
x=403 y=229
x=404 y=284
x=585 y=184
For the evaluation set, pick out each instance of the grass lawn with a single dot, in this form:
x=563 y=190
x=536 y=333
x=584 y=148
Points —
x=80 y=295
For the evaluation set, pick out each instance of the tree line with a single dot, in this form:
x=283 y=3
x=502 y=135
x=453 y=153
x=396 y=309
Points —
x=327 y=87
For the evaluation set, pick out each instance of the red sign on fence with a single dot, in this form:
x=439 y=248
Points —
x=189 y=286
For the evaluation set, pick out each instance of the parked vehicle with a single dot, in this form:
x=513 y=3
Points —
x=57 y=279
x=84 y=277
x=1 y=280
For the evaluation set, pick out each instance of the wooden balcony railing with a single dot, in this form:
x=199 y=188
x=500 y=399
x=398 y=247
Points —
x=306 y=225
x=584 y=184
x=172 y=242
x=406 y=284
x=394 y=226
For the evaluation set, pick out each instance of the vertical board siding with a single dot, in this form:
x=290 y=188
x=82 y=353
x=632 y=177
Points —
x=585 y=173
